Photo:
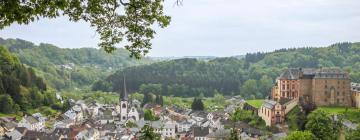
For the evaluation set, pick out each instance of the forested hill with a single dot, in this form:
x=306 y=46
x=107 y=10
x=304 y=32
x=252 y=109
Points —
x=251 y=77
x=64 y=68
x=20 y=88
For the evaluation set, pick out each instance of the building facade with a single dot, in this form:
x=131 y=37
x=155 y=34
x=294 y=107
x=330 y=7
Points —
x=355 y=93
x=324 y=87
x=272 y=112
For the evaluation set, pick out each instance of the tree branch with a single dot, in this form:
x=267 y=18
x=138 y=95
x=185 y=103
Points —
x=123 y=3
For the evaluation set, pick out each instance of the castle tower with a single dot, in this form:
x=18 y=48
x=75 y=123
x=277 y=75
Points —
x=124 y=103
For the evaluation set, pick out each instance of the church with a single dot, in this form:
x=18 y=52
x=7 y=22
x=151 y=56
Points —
x=128 y=111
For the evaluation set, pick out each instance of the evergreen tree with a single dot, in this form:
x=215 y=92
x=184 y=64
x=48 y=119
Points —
x=197 y=105
x=7 y=104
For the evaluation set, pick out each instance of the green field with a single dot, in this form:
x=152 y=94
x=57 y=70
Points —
x=255 y=103
x=337 y=110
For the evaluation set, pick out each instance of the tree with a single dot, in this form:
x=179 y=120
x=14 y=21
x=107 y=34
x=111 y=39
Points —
x=114 y=20
x=321 y=125
x=301 y=135
x=249 y=88
x=148 y=133
x=354 y=134
x=149 y=115
x=218 y=98
x=148 y=98
x=159 y=100
x=197 y=105
x=234 y=135
x=6 y=104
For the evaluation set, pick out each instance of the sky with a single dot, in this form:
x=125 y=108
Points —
x=221 y=27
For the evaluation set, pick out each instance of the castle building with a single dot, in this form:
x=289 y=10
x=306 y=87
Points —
x=128 y=111
x=324 y=87
x=355 y=93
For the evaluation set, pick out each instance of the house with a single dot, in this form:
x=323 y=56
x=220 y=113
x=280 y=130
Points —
x=200 y=133
x=88 y=134
x=221 y=134
x=14 y=135
x=31 y=123
x=166 y=129
x=93 y=109
x=75 y=114
x=184 y=126
x=272 y=112
x=7 y=124
x=65 y=123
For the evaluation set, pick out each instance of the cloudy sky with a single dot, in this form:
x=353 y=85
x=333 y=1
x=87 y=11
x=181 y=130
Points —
x=222 y=27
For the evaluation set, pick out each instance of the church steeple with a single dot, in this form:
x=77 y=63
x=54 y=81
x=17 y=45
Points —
x=124 y=95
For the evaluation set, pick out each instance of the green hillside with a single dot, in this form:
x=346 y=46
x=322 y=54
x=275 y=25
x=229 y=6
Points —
x=251 y=76
x=69 y=68
x=20 y=88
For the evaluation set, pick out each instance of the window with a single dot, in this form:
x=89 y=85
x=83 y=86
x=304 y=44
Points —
x=283 y=86
x=337 y=100
x=337 y=93
x=325 y=100
x=124 y=105
x=325 y=86
x=287 y=86
x=293 y=86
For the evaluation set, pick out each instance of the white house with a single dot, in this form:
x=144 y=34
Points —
x=184 y=126
x=31 y=123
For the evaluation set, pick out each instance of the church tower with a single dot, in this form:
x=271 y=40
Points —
x=124 y=103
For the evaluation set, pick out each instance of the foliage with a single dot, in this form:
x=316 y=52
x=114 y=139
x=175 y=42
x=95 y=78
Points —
x=354 y=134
x=69 y=68
x=130 y=124
x=90 y=96
x=20 y=88
x=242 y=115
x=149 y=115
x=234 y=135
x=296 y=119
x=114 y=20
x=7 y=104
x=321 y=125
x=148 y=133
x=251 y=77
x=301 y=135
x=197 y=105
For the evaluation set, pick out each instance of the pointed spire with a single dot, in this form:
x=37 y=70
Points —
x=124 y=96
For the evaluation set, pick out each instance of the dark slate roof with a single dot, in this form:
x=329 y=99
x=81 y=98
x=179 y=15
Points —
x=124 y=94
x=331 y=73
x=291 y=74
x=200 y=131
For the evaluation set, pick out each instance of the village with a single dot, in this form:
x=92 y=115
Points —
x=124 y=121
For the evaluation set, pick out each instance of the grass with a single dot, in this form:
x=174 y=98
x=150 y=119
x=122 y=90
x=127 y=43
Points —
x=337 y=110
x=255 y=103
x=352 y=114
x=18 y=117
